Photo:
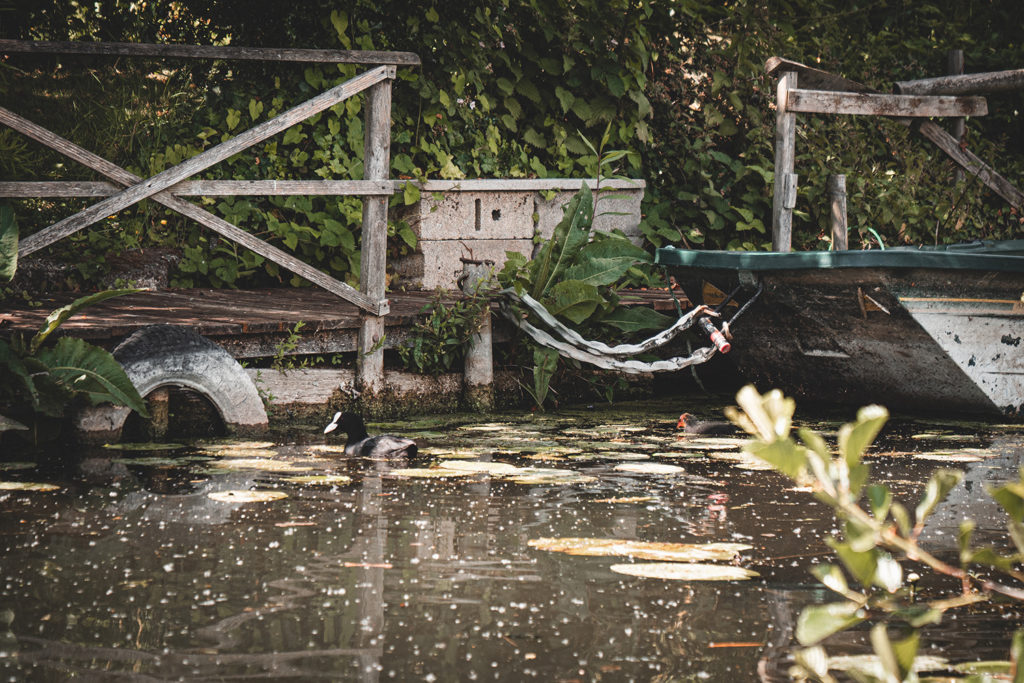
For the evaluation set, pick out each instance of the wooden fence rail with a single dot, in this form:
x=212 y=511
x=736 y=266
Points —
x=169 y=185
x=821 y=92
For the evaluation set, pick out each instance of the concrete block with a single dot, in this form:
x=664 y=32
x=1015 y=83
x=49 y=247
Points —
x=483 y=219
x=438 y=262
x=472 y=215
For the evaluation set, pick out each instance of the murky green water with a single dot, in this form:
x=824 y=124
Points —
x=131 y=570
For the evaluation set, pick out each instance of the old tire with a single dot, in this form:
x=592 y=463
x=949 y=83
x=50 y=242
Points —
x=174 y=356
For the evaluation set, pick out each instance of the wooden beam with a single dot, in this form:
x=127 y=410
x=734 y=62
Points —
x=929 y=129
x=965 y=84
x=812 y=78
x=971 y=163
x=785 y=157
x=219 y=225
x=202 y=188
x=373 y=256
x=202 y=161
x=867 y=104
x=211 y=52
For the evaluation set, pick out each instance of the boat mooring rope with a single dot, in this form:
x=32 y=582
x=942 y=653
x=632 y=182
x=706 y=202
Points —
x=572 y=345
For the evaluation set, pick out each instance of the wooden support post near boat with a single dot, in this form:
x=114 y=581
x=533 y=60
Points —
x=955 y=67
x=785 y=153
x=837 y=201
x=478 y=369
x=372 y=273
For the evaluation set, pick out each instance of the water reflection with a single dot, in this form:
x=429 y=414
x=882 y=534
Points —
x=132 y=571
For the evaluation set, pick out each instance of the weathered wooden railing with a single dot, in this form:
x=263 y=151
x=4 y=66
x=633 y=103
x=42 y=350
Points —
x=168 y=186
x=825 y=93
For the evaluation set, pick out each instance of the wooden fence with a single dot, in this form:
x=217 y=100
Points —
x=168 y=186
x=820 y=92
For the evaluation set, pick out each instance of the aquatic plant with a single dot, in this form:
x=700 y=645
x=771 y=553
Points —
x=876 y=540
x=41 y=381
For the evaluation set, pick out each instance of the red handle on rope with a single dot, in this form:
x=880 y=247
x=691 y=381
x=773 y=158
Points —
x=715 y=335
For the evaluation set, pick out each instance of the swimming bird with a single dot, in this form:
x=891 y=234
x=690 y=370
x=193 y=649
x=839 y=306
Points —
x=363 y=445
x=691 y=425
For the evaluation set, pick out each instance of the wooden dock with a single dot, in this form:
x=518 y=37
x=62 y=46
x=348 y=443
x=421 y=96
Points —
x=254 y=323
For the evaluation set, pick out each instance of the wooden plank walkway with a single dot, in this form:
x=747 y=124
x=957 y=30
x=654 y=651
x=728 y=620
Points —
x=252 y=323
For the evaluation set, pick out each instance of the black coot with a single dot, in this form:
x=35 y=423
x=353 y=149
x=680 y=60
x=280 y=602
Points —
x=361 y=444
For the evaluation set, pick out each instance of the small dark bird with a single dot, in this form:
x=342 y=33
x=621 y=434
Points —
x=691 y=425
x=363 y=445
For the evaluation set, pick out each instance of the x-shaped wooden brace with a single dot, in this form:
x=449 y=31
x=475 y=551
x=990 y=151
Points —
x=157 y=186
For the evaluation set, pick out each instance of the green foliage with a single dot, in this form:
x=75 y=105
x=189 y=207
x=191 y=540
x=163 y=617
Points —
x=8 y=244
x=438 y=343
x=42 y=381
x=875 y=540
x=513 y=89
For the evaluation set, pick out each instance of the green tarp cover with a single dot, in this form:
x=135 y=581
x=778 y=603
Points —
x=997 y=256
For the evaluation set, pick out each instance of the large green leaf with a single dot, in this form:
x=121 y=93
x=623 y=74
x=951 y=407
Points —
x=573 y=300
x=92 y=371
x=817 y=622
x=57 y=317
x=568 y=238
x=605 y=261
x=636 y=318
x=8 y=244
x=940 y=484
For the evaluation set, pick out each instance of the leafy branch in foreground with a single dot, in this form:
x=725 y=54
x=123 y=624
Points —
x=878 y=536
x=43 y=380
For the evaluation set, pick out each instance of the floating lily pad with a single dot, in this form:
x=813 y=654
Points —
x=743 y=461
x=678 y=454
x=153 y=461
x=26 y=486
x=319 y=479
x=488 y=427
x=957 y=455
x=327 y=448
x=626 y=499
x=236 y=445
x=144 y=446
x=10 y=466
x=711 y=443
x=997 y=667
x=557 y=480
x=263 y=464
x=870 y=663
x=644 y=550
x=546 y=457
x=455 y=453
x=649 y=468
x=685 y=572
x=476 y=466
x=611 y=455
x=247 y=496
x=428 y=473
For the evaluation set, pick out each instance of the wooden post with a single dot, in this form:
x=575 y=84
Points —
x=478 y=369
x=955 y=67
x=837 y=200
x=785 y=179
x=376 y=166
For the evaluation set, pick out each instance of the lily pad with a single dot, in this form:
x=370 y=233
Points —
x=241 y=453
x=626 y=499
x=712 y=443
x=644 y=550
x=649 y=468
x=10 y=466
x=611 y=455
x=319 y=479
x=231 y=446
x=956 y=455
x=476 y=466
x=743 y=461
x=153 y=461
x=542 y=475
x=144 y=446
x=685 y=572
x=262 y=464
x=427 y=473
x=26 y=486
x=327 y=448
x=247 y=496
x=488 y=427
x=870 y=663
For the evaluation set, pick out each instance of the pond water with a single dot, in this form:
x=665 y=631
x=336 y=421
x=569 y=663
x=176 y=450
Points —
x=154 y=565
